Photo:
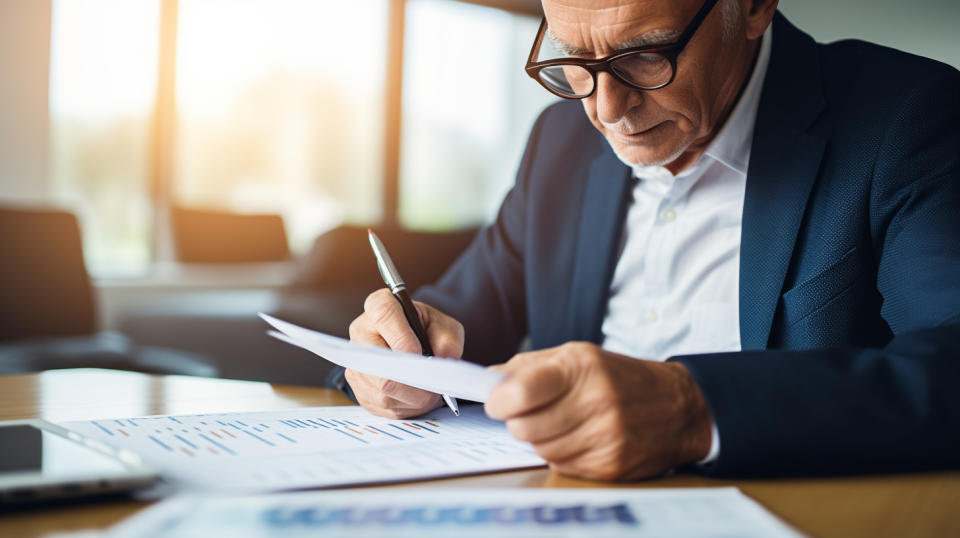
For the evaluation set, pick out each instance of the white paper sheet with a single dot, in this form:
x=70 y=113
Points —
x=459 y=379
x=312 y=447
x=598 y=513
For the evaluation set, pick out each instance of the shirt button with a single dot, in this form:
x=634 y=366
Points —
x=651 y=316
x=668 y=215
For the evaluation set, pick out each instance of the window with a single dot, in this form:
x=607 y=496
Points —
x=283 y=107
x=279 y=108
x=465 y=123
x=102 y=90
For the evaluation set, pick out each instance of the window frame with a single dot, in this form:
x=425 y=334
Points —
x=161 y=167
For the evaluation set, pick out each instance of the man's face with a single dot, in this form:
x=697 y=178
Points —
x=673 y=124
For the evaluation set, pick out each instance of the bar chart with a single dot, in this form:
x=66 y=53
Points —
x=312 y=447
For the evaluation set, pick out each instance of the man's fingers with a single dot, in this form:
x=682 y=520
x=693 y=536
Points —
x=386 y=317
x=407 y=395
x=445 y=333
x=564 y=448
x=384 y=324
x=362 y=332
x=527 y=389
x=386 y=389
x=549 y=422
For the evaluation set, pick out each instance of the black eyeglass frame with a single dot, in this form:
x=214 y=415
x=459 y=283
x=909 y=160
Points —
x=670 y=51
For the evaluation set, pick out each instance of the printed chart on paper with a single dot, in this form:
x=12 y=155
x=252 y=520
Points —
x=313 y=447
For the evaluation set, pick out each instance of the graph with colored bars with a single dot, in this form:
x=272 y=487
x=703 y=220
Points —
x=312 y=447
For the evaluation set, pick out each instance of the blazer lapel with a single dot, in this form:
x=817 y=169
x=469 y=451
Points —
x=601 y=224
x=784 y=161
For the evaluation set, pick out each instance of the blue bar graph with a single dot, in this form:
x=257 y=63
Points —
x=385 y=433
x=161 y=443
x=422 y=427
x=297 y=447
x=186 y=442
x=108 y=432
x=348 y=434
x=251 y=434
x=407 y=431
x=217 y=444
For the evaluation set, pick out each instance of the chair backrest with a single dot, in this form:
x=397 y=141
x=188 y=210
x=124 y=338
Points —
x=341 y=258
x=44 y=286
x=201 y=236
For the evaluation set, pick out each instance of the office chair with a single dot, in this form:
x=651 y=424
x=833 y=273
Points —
x=47 y=308
x=201 y=236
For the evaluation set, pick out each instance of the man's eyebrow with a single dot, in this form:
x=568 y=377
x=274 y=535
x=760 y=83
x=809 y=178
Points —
x=655 y=37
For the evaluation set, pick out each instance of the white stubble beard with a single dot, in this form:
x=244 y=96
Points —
x=660 y=162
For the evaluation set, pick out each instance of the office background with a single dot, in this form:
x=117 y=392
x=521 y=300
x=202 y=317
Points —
x=403 y=114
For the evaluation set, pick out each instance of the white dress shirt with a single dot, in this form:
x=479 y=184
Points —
x=675 y=288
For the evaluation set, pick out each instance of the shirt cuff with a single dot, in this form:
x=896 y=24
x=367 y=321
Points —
x=714 y=446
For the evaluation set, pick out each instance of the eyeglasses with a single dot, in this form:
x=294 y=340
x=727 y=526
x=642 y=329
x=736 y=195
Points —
x=647 y=67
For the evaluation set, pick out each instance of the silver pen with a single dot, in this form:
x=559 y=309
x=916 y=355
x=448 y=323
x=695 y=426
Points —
x=399 y=290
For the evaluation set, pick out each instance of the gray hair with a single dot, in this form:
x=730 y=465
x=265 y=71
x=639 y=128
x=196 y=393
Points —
x=731 y=11
x=732 y=15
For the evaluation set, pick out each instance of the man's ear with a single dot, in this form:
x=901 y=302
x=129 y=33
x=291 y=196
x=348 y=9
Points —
x=757 y=15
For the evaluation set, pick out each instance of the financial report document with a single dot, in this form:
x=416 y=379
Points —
x=312 y=447
x=460 y=379
x=422 y=513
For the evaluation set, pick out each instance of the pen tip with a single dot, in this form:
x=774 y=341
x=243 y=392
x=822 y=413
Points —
x=369 y=231
x=456 y=412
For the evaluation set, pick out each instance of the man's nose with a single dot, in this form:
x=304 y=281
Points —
x=614 y=99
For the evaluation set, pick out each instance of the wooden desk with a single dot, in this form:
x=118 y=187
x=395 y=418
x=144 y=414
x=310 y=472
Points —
x=926 y=504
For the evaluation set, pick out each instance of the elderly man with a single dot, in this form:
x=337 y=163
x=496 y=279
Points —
x=744 y=255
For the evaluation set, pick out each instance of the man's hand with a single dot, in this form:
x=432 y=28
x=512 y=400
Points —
x=598 y=415
x=383 y=324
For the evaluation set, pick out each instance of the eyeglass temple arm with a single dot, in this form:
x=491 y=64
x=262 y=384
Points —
x=694 y=25
x=531 y=58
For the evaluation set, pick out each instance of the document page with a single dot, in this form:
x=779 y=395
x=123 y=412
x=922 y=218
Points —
x=597 y=513
x=459 y=379
x=312 y=447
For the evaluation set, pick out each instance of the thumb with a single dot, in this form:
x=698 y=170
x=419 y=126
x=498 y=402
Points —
x=526 y=390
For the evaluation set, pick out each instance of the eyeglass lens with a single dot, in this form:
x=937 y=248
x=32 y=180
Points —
x=569 y=80
x=641 y=70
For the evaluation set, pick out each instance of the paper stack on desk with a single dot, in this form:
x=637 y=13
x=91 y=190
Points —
x=459 y=379
x=328 y=446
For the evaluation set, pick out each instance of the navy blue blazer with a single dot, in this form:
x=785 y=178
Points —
x=849 y=265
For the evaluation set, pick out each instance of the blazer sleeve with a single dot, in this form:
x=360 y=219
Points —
x=865 y=410
x=485 y=288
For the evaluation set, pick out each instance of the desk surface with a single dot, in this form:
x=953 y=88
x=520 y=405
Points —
x=923 y=504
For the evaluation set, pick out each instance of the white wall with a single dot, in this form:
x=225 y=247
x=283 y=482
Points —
x=925 y=27
x=24 y=99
